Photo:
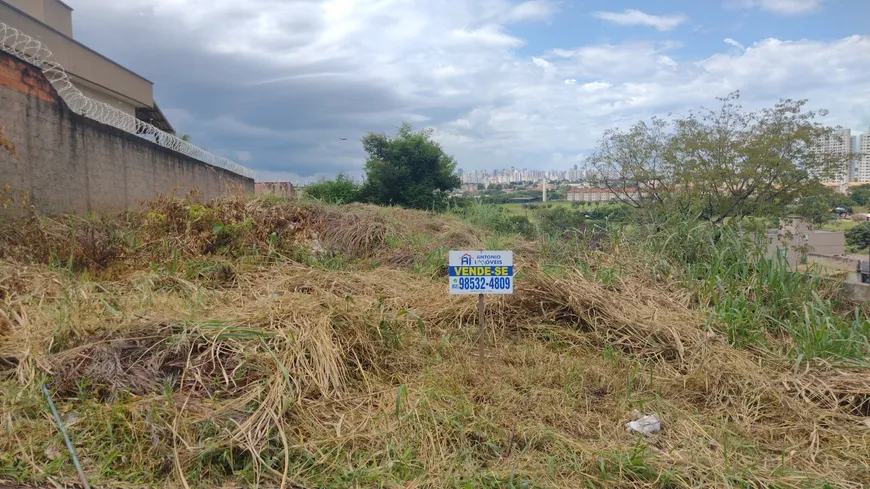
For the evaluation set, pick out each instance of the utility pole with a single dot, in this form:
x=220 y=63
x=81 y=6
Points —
x=544 y=185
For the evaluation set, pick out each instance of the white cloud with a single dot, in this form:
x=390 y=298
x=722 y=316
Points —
x=541 y=62
x=785 y=7
x=734 y=43
x=531 y=10
x=488 y=36
x=341 y=68
x=595 y=86
x=636 y=17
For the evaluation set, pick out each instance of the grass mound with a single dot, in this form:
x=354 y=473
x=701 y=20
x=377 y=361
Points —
x=263 y=343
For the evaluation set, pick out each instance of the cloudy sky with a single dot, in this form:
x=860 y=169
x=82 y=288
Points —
x=276 y=84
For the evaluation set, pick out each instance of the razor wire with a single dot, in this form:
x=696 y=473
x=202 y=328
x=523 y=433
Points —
x=33 y=51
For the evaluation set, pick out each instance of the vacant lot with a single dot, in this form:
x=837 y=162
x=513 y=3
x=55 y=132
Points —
x=274 y=344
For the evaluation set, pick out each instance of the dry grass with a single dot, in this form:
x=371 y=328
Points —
x=295 y=374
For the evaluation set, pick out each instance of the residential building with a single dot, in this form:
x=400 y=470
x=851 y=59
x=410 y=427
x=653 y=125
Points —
x=599 y=194
x=96 y=76
x=863 y=166
x=838 y=142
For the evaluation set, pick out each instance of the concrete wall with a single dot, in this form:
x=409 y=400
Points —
x=102 y=96
x=827 y=242
x=799 y=239
x=55 y=14
x=856 y=291
x=58 y=15
x=69 y=163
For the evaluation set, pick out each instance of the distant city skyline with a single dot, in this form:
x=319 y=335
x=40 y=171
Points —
x=513 y=174
x=841 y=141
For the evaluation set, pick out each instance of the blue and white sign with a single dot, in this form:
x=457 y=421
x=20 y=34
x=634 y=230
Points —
x=481 y=272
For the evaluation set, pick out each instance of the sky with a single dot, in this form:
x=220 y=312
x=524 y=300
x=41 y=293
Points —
x=277 y=85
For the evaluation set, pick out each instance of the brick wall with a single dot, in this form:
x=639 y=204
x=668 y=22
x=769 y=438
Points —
x=25 y=78
x=69 y=163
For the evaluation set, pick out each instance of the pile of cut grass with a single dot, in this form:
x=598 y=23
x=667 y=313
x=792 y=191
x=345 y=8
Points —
x=318 y=359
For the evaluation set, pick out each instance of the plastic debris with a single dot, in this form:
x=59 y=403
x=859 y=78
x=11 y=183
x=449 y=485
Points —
x=646 y=425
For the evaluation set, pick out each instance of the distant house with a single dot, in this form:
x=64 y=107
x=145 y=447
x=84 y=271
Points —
x=280 y=189
x=600 y=194
x=469 y=187
x=96 y=76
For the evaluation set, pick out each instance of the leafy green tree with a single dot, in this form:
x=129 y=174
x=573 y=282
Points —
x=342 y=190
x=859 y=236
x=819 y=202
x=720 y=164
x=408 y=169
x=861 y=195
x=481 y=187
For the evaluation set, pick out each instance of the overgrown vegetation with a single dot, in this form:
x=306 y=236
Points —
x=858 y=236
x=266 y=342
x=342 y=190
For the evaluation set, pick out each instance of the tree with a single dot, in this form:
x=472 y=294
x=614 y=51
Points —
x=408 y=169
x=861 y=195
x=481 y=187
x=184 y=137
x=817 y=205
x=859 y=236
x=720 y=164
x=342 y=190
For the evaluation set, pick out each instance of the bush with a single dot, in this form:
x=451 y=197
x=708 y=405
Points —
x=560 y=220
x=522 y=226
x=859 y=236
x=342 y=190
x=493 y=218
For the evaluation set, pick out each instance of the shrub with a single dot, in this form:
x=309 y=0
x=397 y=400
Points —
x=342 y=190
x=560 y=220
x=859 y=235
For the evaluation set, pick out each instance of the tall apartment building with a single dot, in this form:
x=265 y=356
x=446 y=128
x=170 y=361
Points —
x=863 y=166
x=838 y=142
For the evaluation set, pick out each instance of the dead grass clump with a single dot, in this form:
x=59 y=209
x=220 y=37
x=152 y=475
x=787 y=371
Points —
x=625 y=316
x=148 y=358
x=354 y=233
x=71 y=242
x=230 y=226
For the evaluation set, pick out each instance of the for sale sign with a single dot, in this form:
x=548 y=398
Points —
x=481 y=272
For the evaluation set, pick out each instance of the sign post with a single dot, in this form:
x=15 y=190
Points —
x=481 y=273
x=481 y=335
